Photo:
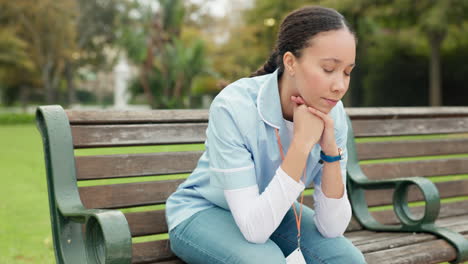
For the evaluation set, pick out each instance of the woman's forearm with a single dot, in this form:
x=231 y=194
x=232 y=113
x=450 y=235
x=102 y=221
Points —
x=332 y=181
x=295 y=161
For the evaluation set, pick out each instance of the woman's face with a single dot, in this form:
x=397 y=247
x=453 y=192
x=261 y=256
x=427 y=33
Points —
x=322 y=73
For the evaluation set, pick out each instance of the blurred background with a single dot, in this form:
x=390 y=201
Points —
x=159 y=54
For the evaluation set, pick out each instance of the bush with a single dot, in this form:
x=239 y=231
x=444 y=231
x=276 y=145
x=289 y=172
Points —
x=14 y=118
x=397 y=75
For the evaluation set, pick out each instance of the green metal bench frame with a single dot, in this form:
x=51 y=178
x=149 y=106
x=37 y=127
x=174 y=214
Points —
x=357 y=183
x=107 y=237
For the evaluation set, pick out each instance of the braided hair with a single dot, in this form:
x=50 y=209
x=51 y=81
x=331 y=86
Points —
x=295 y=32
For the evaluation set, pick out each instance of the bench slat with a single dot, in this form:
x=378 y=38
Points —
x=136 y=117
x=137 y=135
x=127 y=194
x=411 y=148
x=405 y=112
x=363 y=237
x=417 y=126
x=147 y=223
x=382 y=241
x=433 y=167
x=116 y=166
x=434 y=251
x=161 y=116
x=153 y=251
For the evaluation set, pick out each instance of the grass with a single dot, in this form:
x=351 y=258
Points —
x=24 y=215
x=25 y=235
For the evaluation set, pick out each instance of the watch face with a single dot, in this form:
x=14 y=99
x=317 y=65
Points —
x=340 y=152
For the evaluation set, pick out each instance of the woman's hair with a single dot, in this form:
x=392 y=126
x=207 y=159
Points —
x=297 y=29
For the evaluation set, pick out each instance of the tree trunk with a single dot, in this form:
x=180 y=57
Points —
x=435 y=80
x=47 y=82
x=70 y=84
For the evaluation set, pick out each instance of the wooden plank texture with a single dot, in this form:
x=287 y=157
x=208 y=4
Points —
x=411 y=148
x=130 y=165
x=153 y=251
x=419 y=126
x=433 y=167
x=137 y=135
x=127 y=194
x=429 y=252
x=136 y=117
x=405 y=112
x=195 y=115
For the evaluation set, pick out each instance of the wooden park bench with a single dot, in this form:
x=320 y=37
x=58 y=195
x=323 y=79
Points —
x=103 y=206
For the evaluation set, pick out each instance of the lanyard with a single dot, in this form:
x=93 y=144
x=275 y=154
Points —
x=298 y=217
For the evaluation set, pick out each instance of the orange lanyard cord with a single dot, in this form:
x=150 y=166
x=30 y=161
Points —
x=298 y=217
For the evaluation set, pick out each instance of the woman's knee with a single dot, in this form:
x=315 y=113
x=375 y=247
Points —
x=345 y=252
x=268 y=252
x=332 y=251
x=354 y=256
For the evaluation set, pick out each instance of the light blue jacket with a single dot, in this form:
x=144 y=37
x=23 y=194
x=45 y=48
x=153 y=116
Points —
x=241 y=147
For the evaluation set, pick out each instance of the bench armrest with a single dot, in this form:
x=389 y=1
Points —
x=357 y=183
x=400 y=205
x=106 y=238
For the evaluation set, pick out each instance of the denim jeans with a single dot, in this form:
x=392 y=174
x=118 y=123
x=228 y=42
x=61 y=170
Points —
x=212 y=236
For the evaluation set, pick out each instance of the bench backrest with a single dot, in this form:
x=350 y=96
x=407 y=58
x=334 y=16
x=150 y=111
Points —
x=104 y=129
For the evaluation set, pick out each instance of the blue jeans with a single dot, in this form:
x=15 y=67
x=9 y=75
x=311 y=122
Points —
x=212 y=236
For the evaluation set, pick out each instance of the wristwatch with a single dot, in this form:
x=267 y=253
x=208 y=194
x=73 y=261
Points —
x=327 y=158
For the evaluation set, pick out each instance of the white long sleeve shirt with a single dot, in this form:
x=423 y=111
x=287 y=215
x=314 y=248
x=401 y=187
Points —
x=258 y=215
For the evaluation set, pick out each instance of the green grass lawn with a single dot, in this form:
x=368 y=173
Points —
x=25 y=235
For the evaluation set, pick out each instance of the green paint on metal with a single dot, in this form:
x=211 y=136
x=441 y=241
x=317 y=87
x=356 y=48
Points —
x=102 y=244
x=358 y=183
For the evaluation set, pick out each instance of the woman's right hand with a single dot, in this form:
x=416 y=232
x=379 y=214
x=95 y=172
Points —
x=308 y=128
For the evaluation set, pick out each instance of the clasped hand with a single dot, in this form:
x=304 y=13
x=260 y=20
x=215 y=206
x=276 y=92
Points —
x=312 y=126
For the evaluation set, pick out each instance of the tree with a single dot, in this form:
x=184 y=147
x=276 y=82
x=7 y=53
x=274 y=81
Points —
x=432 y=18
x=47 y=27
x=168 y=63
x=96 y=28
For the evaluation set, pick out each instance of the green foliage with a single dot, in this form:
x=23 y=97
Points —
x=396 y=74
x=168 y=60
x=205 y=85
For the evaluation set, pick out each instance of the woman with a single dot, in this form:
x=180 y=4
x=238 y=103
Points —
x=268 y=137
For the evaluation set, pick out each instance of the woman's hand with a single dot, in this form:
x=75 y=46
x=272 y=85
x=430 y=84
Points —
x=327 y=139
x=308 y=127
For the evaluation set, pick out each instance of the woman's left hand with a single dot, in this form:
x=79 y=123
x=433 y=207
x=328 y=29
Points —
x=327 y=141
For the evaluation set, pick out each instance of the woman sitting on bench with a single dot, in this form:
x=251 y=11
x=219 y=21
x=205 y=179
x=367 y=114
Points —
x=268 y=137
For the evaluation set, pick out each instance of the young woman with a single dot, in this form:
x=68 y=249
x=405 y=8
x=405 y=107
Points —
x=268 y=137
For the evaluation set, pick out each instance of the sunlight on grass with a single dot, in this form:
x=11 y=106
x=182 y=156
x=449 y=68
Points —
x=141 y=149
x=415 y=204
x=133 y=179
x=413 y=159
x=417 y=137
